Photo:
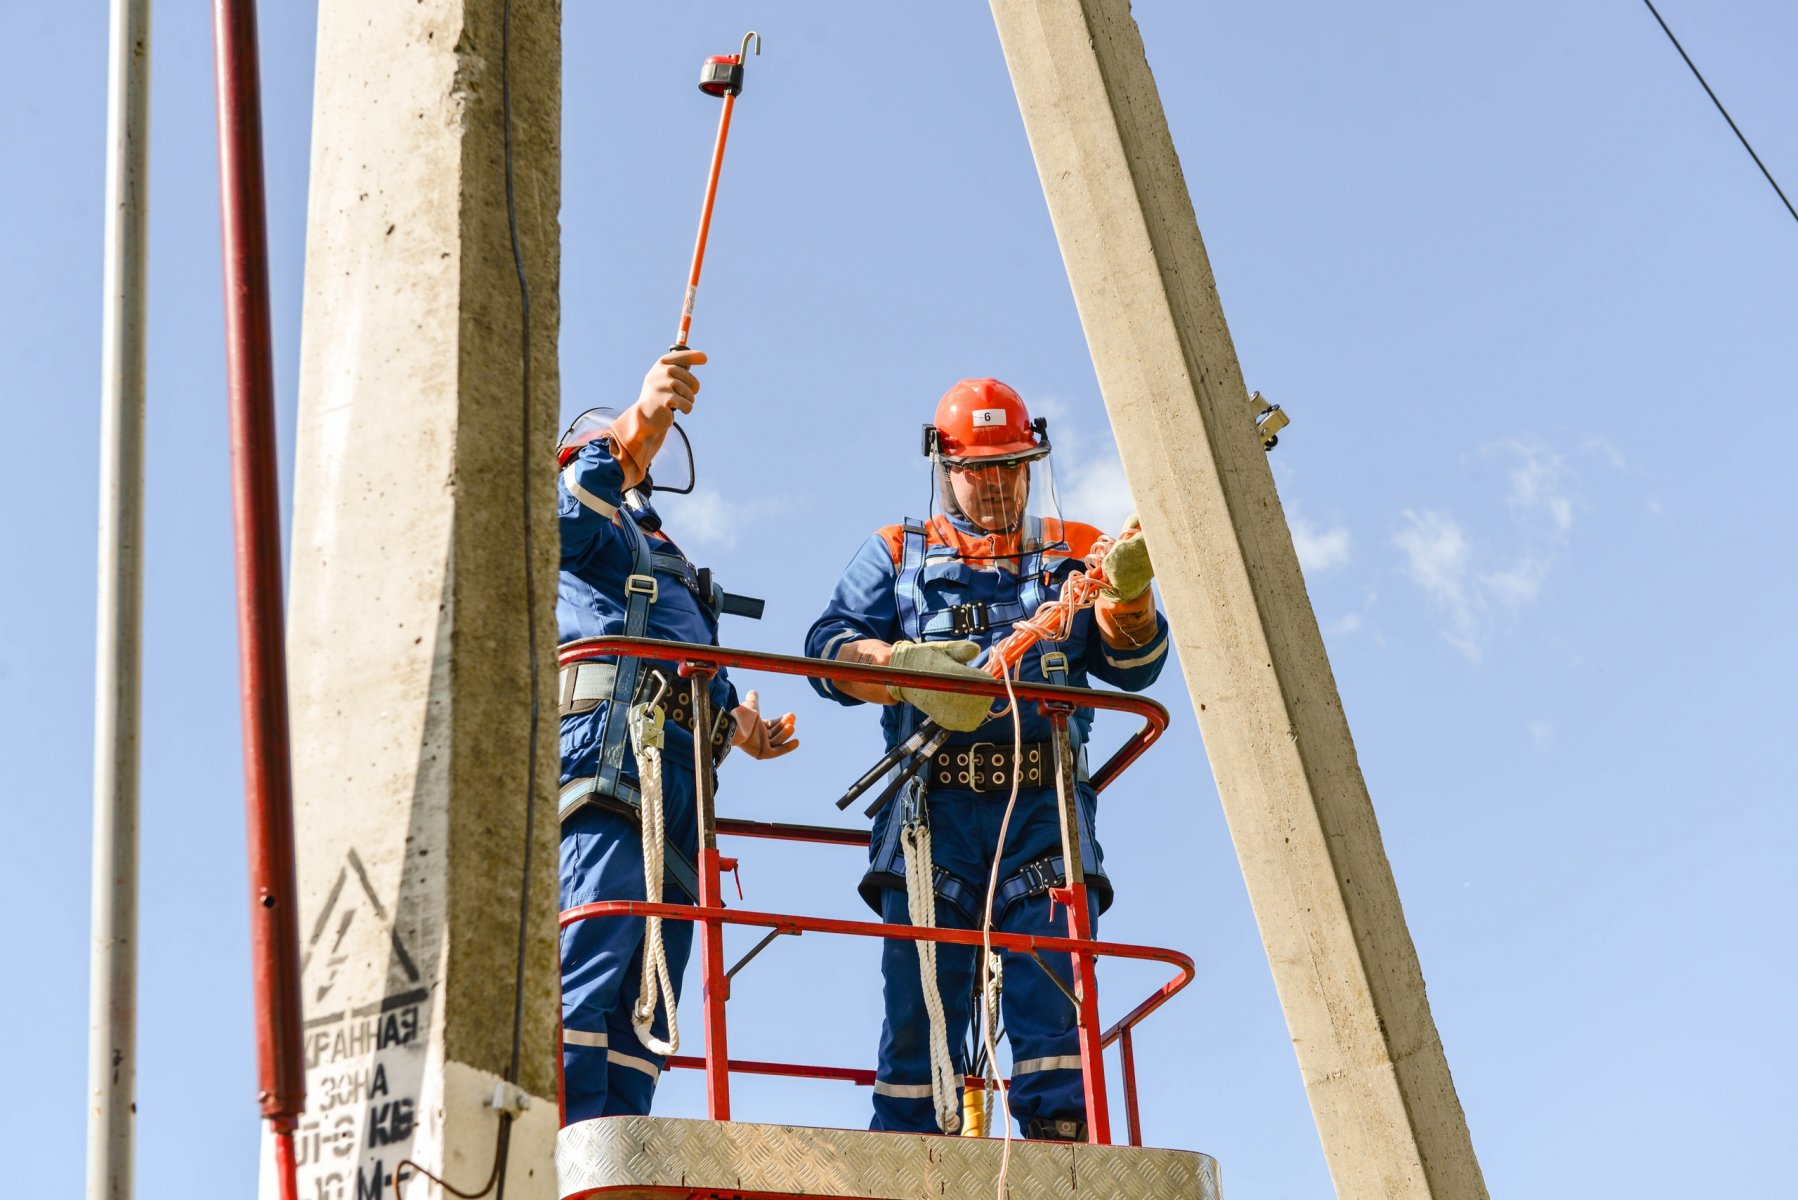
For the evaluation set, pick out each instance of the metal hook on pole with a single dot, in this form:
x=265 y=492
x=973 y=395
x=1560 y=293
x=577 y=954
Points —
x=743 y=52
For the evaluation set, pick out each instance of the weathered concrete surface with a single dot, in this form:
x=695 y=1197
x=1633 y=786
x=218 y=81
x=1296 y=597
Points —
x=1272 y=720
x=408 y=635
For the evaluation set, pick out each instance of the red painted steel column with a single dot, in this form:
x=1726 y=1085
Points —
x=1080 y=928
x=1127 y=1050
x=268 y=785
x=1086 y=992
x=711 y=877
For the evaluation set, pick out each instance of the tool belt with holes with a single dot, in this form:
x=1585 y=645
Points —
x=987 y=767
x=584 y=686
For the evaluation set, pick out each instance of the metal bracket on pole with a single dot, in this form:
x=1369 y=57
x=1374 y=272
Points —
x=1269 y=421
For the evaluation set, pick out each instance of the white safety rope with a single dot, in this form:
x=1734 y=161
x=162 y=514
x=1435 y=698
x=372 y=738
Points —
x=920 y=900
x=646 y=726
x=992 y=987
x=990 y=971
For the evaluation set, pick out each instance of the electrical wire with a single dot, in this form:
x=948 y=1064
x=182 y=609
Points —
x=1713 y=95
x=526 y=461
x=498 y=1163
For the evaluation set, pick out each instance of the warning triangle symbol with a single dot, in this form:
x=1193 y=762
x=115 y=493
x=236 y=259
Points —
x=352 y=938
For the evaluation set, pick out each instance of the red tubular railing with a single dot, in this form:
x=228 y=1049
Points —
x=268 y=788
x=713 y=916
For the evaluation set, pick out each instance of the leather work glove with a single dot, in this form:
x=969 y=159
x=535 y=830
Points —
x=951 y=710
x=1127 y=567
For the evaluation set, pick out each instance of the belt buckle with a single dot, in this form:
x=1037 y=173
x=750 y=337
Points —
x=644 y=584
x=977 y=779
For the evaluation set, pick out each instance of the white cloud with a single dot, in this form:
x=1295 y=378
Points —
x=1541 y=484
x=1318 y=549
x=1518 y=585
x=1600 y=446
x=1437 y=559
x=1089 y=475
x=1096 y=491
x=706 y=520
x=1477 y=584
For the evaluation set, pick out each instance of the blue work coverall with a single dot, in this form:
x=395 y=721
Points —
x=907 y=582
x=606 y=1070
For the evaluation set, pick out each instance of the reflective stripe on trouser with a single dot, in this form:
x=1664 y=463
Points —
x=606 y=1070
x=1039 y=1021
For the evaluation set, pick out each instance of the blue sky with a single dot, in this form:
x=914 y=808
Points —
x=1530 y=307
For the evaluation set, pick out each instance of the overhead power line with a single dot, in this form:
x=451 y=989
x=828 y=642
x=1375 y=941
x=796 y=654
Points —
x=1713 y=95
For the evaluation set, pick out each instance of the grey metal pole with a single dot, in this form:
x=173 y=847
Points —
x=112 y=994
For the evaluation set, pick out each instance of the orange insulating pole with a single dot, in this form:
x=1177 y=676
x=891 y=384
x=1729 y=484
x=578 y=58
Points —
x=722 y=75
x=268 y=784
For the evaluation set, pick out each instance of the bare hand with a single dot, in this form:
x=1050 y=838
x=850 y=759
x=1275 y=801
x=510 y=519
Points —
x=759 y=738
x=670 y=387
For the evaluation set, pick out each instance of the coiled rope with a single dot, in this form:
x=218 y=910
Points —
x=920 y=902
x=646 y=726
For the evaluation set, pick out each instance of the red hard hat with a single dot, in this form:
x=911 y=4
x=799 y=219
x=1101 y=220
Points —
x=983 y=418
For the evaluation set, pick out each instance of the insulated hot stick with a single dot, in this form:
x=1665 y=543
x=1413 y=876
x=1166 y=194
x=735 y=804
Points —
x=722 y=75
x=1053 y=620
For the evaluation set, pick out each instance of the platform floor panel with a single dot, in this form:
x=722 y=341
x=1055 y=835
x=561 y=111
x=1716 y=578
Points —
x=659 y=1158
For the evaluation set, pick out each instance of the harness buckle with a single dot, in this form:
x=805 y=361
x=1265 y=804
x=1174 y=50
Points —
x=1054 y=662
x=969 y=618
x=1040 y=877
x=644 y=585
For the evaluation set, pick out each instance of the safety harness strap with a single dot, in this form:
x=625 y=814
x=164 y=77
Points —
x=908 y=588
x=627 y=802
x=641 y=589
x=964 y=620
x=640 y=592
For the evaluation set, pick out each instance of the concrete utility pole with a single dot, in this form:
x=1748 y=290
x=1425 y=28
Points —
x=1279 y=744
x=410 y=627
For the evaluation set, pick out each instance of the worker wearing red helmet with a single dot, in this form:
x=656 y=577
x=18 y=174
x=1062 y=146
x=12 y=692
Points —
x=934 y=594
x=622 y=574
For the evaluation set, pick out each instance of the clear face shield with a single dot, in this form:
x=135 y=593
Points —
x=672 y=470
x=1006 y=494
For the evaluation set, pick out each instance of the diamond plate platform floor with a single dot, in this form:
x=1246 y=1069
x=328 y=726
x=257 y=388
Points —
x=664 y=1158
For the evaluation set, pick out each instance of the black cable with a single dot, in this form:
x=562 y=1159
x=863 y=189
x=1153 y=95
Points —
x=499 y=1158
x=1713 y=95
x=526 y=461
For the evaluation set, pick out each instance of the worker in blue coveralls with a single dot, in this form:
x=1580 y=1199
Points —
x=622 y=574
x=933 y=595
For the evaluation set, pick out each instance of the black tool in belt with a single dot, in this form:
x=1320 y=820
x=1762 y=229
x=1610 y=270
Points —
x=989 y=767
